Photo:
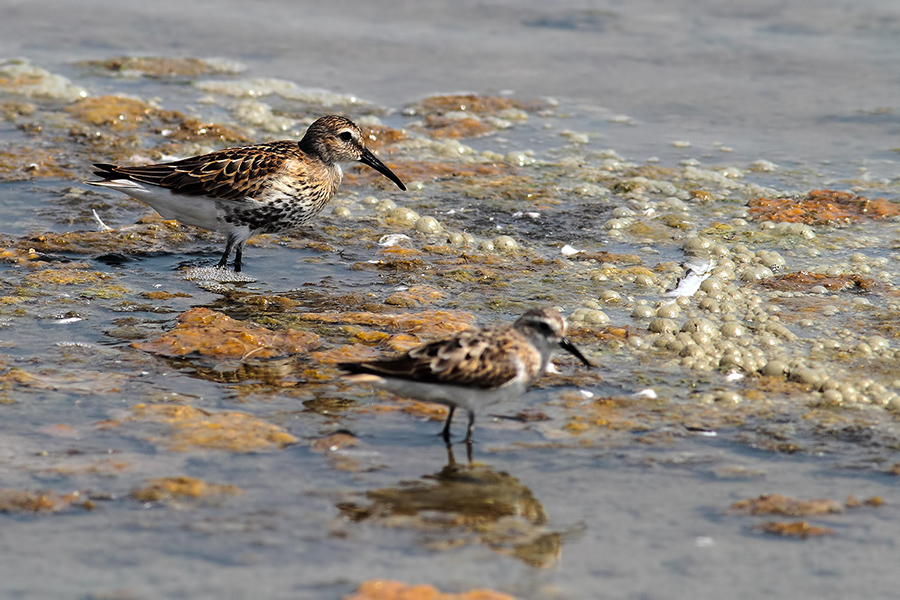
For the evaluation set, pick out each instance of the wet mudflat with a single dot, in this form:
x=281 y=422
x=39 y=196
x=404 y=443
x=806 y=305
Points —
x=168 y=432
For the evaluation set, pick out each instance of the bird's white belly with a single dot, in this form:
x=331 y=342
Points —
x=190 y=210
x=453 y=395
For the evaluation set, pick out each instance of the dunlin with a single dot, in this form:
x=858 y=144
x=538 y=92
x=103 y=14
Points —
x=265 y=188
x=475 y=368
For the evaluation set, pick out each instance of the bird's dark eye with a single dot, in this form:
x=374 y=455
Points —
x=345 y=136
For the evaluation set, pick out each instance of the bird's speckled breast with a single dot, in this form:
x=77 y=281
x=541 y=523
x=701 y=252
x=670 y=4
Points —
x=290 y=198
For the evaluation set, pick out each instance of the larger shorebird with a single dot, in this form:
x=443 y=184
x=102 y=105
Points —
x=244 y=191
x=475 y=368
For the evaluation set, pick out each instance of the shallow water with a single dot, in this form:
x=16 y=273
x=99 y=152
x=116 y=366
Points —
x=594 y=491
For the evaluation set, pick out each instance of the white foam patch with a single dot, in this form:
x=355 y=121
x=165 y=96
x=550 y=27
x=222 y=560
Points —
x=216 y=274
x=697 y=272
x=392 y=239
x=67 y=320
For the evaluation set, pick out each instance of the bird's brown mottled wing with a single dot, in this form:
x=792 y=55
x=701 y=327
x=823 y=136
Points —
x=469 y=359
x=231 y=174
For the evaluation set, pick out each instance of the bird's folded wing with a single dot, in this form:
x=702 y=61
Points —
x=467 y=360
x=231 y=174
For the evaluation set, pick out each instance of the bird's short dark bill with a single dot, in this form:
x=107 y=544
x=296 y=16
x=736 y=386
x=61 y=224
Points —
x=570 y=347
x=371 y=160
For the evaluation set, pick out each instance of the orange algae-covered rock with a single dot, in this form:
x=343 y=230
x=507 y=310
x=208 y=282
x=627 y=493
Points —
x=402 y=342
x=429 y=410
x=400 y=252
x=193 y=130
x=29 y=163
x=609 y=257
x=166 y=488
x=823 y=207
x=194 y=428
x=443 y=128
x=20 y=256
x=802 y=281
x=377 y=137
x=16 y=501
x=797 y=529
x=64 y=277
x=333 y=445
x=371 y=337
x=213 y=334
x=427 y=322
x=417 y=295
x=81 y=381
x=150 y=234
x=164 y=295
x=158 y=66
x=348 y=353
x=854 y=502
x=433 y=170
x=381 y=589
x=335 y=441
x=776 y=504
x=113 y=111
x=475 y=104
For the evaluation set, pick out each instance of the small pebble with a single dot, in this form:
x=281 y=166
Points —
x=385 y=206
x=712 y=284
x=668 y=311
x=428 y=225
x=610 y=296
x=456 y=239
x=663 y=340
x=710 y=305
x=660 y=325
x=699 y=324
x=504 y=243
x=775 y=368
x=728 y=397
x=644 y=280
x=732 y=329
x=403 y=216
x=642 y=312
x=833 y=396
x=696 y=245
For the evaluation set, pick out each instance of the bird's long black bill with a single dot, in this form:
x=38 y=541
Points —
x=371 y=160
x=570 y=348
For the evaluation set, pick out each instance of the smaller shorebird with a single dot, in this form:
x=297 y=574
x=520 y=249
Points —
x=475 y=368
x=244 y=191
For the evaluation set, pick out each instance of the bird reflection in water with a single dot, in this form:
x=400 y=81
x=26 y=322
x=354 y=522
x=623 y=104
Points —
x=464 y=504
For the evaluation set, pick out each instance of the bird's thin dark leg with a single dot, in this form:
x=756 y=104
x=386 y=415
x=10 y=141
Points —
x=468 y=439
x=445 y=432
x=238 y=255
x=229 y=244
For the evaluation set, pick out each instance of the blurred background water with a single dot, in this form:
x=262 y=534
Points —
x=803 y=81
